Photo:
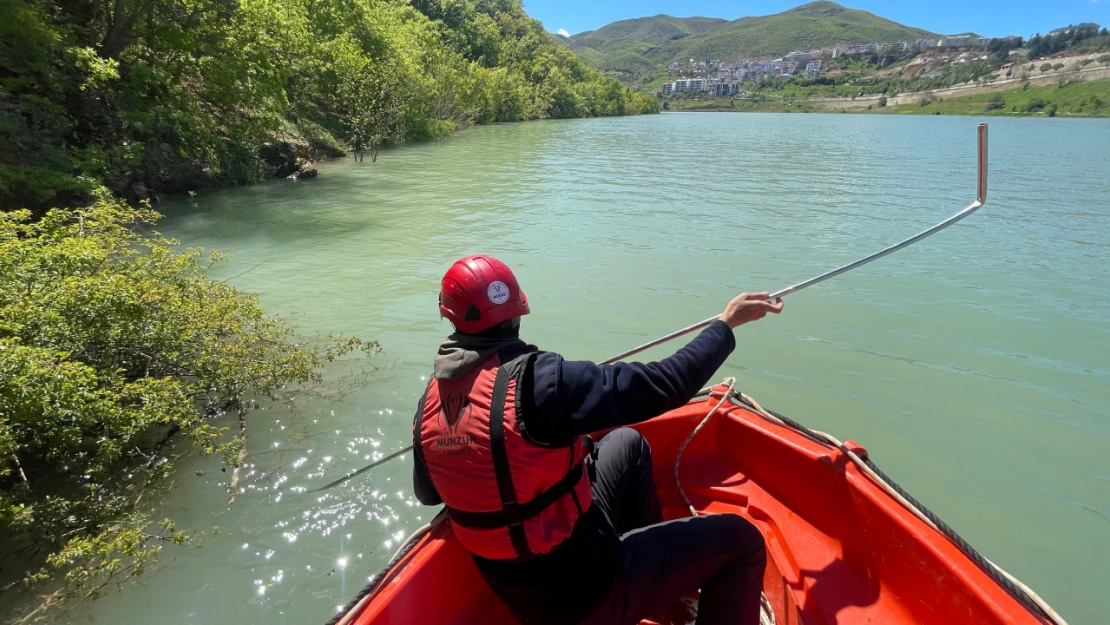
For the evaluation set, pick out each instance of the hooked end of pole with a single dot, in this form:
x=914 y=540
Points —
x=982 y=195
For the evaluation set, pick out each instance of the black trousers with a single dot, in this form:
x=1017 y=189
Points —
x=660 y=562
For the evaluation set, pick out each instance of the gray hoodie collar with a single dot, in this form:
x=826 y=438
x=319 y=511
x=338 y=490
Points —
x=460 y=353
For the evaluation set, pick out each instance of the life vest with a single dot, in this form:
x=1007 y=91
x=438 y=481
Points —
x=507 y=498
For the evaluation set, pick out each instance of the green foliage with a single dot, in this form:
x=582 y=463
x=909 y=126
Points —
x=161 y=96
x=1000 y=49
x=1046 y=67
x=997 y=101
x=111 y=344
x=1082 y=38
x=1033 y=105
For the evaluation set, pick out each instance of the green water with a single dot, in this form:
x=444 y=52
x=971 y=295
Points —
x=975 y=366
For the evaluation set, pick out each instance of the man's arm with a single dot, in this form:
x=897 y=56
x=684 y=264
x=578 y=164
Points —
x=576 y=398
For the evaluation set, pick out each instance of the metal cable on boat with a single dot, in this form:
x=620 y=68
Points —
x=1025 y=595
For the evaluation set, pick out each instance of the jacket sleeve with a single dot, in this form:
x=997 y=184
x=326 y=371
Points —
x=572 y=398
x=422 y=485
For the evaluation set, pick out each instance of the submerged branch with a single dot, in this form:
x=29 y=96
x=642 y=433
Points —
x=241 y=458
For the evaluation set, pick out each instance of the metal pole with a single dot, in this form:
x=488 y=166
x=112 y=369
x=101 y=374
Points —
x=981 y=199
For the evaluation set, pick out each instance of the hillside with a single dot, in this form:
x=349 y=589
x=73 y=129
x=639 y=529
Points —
x=624 y=46
x=629 y=49
x=654 y=31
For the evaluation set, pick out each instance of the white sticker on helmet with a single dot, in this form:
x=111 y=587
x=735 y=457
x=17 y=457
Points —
x=498 y=292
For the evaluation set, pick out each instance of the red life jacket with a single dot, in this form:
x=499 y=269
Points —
x=506 y=497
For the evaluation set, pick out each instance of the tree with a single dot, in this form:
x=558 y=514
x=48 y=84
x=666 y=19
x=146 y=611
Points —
x=882 y=101
x=1052 y=111
x=1058 y=66
x=1086 y=62
x=997 y=101
x=1046 y=67
x=148 y=96
x=1104 y=59
x=112 y=345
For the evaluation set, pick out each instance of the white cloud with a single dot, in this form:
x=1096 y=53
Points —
x=563 y=31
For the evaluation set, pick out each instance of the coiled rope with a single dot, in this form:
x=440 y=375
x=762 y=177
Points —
x=1025 y=595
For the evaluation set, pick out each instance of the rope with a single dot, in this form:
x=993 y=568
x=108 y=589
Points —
x=1025 y=595
x=682 y=449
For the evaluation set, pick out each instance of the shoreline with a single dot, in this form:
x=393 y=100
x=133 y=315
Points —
x=1080 y=99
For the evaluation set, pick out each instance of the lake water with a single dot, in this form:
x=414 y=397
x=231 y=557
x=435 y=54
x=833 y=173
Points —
x=975 y=366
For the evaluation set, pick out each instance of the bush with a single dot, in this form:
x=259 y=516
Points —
x=997 y=101
x=1058 y=66
x=1046 y=67
x=1034 y=105
x=1052 y=111
x=111 y=345
x=882 y=101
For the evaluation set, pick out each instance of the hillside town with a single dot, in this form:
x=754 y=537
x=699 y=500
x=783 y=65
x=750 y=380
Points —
x=723 y=78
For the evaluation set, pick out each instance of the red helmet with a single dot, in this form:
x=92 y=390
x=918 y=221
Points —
x=479 y=292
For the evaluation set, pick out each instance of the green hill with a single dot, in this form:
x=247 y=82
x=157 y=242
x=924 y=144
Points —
x=654 y=31
x=624 y=47
x=630 y=49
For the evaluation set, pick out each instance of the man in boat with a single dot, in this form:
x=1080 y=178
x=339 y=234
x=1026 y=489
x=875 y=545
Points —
x=565 y=531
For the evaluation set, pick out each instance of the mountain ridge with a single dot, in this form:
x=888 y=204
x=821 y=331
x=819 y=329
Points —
x=632 y=48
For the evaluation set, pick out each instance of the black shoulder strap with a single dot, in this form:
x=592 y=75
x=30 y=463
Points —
x=516 y=366
x=417 y=423
x=501 y=458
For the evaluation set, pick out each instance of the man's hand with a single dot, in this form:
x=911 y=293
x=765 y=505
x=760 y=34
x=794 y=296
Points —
x=748 y=307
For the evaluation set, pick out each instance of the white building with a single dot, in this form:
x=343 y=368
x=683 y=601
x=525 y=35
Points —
x=724 y=88
x=813 y=70
x=954 y=42
x=667 y=88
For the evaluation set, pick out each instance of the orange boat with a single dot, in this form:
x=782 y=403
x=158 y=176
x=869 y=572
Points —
x=845 y=544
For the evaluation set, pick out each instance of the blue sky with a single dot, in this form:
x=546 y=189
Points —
x=993 y=18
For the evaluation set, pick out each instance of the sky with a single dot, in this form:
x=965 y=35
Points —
x=991 y=18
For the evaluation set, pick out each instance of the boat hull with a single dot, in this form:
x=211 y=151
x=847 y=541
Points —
x=841 y=549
